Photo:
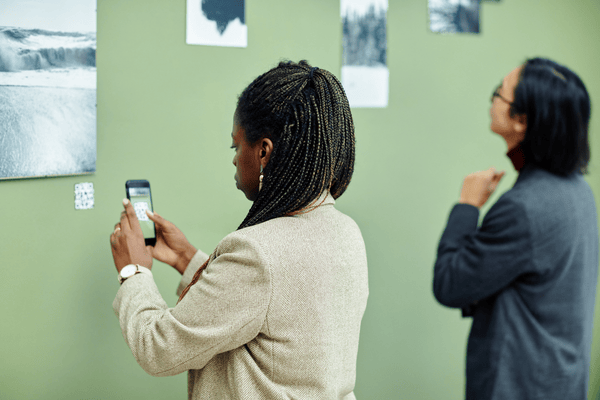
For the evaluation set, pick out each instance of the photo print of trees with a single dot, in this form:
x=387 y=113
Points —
x=365 y=75
x=216 y=23
x=454 y=16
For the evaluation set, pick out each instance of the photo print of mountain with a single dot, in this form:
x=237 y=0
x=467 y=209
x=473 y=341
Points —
x=216 y=23
x=454 y=16
x=365 y=75
x=47 y=88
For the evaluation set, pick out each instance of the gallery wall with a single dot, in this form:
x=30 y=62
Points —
x=165 y=112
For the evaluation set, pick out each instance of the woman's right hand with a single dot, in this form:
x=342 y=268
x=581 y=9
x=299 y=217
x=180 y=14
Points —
x=172 y=247
x=479 y=186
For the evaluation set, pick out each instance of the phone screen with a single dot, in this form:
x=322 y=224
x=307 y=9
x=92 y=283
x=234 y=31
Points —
x=141 y=201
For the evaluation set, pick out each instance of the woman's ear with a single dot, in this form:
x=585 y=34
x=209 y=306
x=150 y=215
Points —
x=520 y=124
x=266 y=148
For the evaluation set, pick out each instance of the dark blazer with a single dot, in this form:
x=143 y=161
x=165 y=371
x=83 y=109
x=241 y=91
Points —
x=528 y=278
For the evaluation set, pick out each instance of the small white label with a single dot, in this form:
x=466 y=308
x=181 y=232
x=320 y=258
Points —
x=84 y=196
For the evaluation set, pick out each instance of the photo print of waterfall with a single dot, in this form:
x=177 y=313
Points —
x=216 y=23
x=47 y=88
x=454 y=16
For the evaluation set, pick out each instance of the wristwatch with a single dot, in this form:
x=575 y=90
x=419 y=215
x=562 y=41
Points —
x=130 y=270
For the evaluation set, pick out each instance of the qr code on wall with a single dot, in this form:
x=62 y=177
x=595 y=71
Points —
x=84 y=196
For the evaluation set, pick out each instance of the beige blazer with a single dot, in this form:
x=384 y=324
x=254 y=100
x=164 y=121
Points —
x=275 y=315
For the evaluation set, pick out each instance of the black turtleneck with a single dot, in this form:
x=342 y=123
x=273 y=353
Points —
x=517 y=157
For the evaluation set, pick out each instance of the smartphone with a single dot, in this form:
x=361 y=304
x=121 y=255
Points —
x=138 y=193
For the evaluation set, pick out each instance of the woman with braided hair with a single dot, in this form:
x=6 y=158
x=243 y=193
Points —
x=275 y=311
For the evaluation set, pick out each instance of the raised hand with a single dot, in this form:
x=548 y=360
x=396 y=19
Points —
x=479 y=186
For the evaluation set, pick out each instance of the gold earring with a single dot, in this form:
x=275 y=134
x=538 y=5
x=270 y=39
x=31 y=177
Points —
x=260 y=179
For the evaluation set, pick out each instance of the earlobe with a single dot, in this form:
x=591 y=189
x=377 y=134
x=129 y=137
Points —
x=265 y=151
x=521 y=124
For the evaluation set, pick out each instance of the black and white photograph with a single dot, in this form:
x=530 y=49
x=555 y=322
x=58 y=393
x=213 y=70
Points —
x=454 y=16
x=216 y=23
x=365 y=75
x=47 y=88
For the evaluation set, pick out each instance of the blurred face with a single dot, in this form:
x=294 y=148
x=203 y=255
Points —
x=246 y=161
x=510 y=128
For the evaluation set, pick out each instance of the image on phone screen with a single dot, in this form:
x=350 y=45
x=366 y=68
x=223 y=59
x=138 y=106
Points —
x=141 y=200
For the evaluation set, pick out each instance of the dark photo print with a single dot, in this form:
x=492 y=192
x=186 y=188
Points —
x=47 y=88
x=223 y=12
x=454 y=16
x=364 y=38
x=216 y=23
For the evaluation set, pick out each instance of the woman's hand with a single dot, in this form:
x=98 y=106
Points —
x=127 y=241
x=171 y=246
x=479 y=186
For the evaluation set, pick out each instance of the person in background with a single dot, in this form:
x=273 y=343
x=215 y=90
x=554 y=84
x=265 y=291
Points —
x=528 y=275
x=275 y=311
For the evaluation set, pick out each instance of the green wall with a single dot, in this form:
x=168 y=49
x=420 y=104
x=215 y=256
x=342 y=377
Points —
x=165 y=113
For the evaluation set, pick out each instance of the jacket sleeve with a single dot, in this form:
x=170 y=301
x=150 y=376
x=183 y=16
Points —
x=195 y=263
x=475 y=263
x=224 y=310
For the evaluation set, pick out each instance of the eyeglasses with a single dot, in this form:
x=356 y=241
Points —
x=497 y=94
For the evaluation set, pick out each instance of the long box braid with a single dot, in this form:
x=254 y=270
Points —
x=305 y=112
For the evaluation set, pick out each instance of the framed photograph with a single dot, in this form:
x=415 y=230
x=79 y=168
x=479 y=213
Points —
x=365 y=75
x=216 y=23
x=454 y=16
x=47 y=88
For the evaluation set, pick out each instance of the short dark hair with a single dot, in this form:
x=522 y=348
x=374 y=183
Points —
x=557 y=107
x=305 y=112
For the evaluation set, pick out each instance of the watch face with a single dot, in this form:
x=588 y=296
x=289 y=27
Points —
x=128 y=270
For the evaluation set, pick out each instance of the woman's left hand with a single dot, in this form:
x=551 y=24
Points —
x=127 y=241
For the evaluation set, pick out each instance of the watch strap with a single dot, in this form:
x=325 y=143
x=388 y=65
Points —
x=139 y=270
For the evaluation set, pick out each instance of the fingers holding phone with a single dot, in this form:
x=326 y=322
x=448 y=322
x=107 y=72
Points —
x=134 y=231
x=172 y=247
x=164 y=240
x=127 y=241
